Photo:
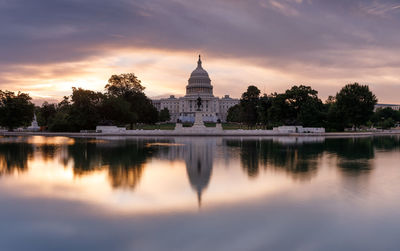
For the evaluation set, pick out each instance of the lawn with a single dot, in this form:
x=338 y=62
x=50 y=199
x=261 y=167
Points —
x=167 y=126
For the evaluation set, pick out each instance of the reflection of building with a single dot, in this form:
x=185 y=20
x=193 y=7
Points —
x=199 y=163
x=199 y=85
x=198 y=156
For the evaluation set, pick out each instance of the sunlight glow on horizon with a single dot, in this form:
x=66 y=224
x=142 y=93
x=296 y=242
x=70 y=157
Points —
x=165 y=73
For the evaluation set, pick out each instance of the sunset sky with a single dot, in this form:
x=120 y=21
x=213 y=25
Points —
x=49 y=46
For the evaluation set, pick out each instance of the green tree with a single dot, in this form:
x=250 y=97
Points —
x=15 y=110
x=128 y=87
x=249 y=103
x=84 y=111
x=385 y=118
x=335 y=121
x=164 y=115
x=355 y=104
x=46 y=113
x=234 y=113
x=280 y=112
x=117 y=111
x=124 y=84
x=265 y=104
x=61 y=122
x=305 y=108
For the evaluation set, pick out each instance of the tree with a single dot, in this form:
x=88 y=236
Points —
x=61 y=122
x=84 y=111
x=117 y=111
x=305 y=108
x=249 y=103
x=46 y=113
x=279 y=113
x=164 y=115
x=385 y=118
x=15 y=110
x=355 y=104
x=234 y=114
x=128 y=87
x=335 y=121
x=265 y=104
x=121 y=85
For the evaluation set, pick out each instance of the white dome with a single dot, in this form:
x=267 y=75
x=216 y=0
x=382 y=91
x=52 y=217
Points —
x=199 y=71
x=199 y=81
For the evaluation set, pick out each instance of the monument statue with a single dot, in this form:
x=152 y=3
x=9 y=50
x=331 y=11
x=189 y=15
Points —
x=198 y=104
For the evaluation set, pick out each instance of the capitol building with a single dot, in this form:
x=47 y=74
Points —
x=199 y=85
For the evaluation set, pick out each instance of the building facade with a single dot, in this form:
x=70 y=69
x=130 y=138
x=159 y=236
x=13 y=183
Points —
x=382 y=106
x=199 y=85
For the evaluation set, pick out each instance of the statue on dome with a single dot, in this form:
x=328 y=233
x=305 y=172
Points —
x=198 y=104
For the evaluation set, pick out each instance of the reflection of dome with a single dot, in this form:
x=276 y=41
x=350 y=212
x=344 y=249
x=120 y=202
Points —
x=199 y=175
x=199 y=82
x=199 y=164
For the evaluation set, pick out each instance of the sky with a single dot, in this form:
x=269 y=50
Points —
x=49 y=46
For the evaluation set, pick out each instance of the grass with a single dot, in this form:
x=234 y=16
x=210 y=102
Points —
x=167 y=126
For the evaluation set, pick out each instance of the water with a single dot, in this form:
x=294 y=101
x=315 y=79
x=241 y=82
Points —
x=287 y=193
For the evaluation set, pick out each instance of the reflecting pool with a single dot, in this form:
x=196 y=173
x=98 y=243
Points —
x=199 y=193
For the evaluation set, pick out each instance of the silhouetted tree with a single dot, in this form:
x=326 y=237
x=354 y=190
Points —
x=385 y=117
x=234 y=113
x=15 y=109
x=84 y=112
x=117 y=111
x=249 y=105
x=304 y=106
x=164 y=115
x=45 y=114
x=355 y=104
x=128 y=87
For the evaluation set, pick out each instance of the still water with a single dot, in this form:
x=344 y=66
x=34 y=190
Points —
x=204 y=193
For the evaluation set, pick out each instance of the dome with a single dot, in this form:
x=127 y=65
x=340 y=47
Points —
x=199 y=82
x=199 y=71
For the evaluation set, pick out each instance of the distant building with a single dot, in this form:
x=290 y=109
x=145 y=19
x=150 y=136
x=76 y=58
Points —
x=199 y=85
x=381 y=106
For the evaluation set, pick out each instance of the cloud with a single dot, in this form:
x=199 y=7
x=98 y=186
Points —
x=310 y=39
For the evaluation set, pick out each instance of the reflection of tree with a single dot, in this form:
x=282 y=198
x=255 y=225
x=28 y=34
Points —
x=354 y=154
x=123 y=158
x=298 y=160
x=85 y=155
x=250 y=157
x=387 y=143
x=48 y=151
x=14 y=157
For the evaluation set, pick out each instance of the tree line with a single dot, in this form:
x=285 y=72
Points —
x=123 y=103
x=352 y=107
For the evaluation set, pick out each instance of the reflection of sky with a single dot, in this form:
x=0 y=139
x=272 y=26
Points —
x=49 y=207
